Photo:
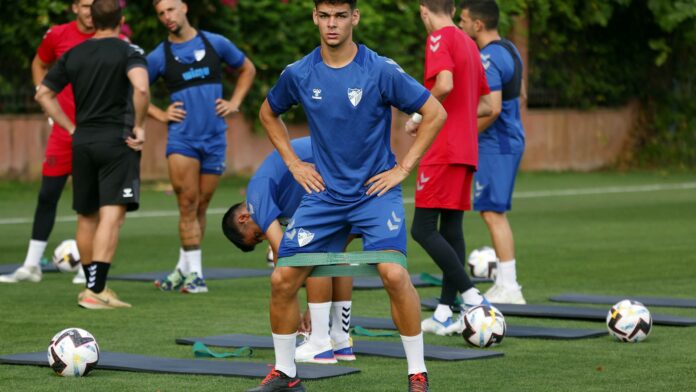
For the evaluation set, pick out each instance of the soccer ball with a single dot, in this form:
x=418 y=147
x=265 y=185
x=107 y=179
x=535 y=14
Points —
x=66 y=257
x=629 y=321
x=73 y=352
x=269 y=257
x=484 y=326
x=483 y=262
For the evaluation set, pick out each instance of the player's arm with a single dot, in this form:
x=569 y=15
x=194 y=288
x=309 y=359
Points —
x=495 y=99
x=485 y=106
x=48 y=101
x=444 y=83
x=247 y=72
x=141 y=102
x=39 y=69
x=274 y=234
x=304 y=173
x=434 y=116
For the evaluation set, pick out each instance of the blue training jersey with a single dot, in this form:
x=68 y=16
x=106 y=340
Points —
x=349 y=115
x=506 y=134
x=201 y=120
x=273 y=193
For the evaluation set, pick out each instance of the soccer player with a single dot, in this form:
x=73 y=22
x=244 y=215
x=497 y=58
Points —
x=57 y=165
x=455 y=76
x=191 y=64
x=501 y=141
x=347 y=91
x=273 y=196
x=109 y=79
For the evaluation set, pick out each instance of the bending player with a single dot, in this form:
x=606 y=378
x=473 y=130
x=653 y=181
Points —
x=347 y=92
x=57 y=165
x=454 y=74
x=501 y=141
x=273 y=196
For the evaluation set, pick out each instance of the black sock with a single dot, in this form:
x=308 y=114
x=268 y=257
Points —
x=96 y=274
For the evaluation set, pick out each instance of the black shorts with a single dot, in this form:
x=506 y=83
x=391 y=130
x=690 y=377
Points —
x=105 y=173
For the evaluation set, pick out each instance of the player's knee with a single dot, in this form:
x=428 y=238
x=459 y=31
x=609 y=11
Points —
x=420 y=233
x=492 y=217
x=282 y=285
x=394 y=278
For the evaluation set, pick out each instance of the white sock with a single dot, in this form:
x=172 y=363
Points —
x=34 y=253
x=507 y=274
x=284 y=347
x=442 y=313
x=319 y=313
x=340 y=321
x=413 y=346
x=182 y=265
x=472 y=296
x=193 y=260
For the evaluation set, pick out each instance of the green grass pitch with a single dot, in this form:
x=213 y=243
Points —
x=601 y=233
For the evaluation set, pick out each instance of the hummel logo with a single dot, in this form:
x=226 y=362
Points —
x=394 y=63
x=316 y=93
x=291 y=234
x=250 y=207
x=478 y=189
x=128 y=192
x=291 y=224
x=395 y=218
x=435 y=38
x=420 y=183
x=392 y=226
x=435 y=47
x=485 y=59
x=423 y=178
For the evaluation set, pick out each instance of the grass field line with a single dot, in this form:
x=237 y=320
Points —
x=409 y=200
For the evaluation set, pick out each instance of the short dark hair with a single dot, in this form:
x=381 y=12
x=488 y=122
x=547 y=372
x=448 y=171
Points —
x=439 y=6
x=106 y=14
x=486 y=11
x=231 y=229
x=352 y=3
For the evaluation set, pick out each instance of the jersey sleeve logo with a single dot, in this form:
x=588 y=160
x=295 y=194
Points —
x=355 y=95
x=138 y=49
x=392 y=62
x=435 y=42
x=486 y=61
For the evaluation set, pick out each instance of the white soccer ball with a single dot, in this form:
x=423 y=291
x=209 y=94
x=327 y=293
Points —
x=66 y=257
x=73 y=352
x=484 y=326
x=483 y=262
x=629 y=321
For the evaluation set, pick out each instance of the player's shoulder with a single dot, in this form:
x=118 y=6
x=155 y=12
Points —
x=303 y=66
x=60 y=29
x=376 y=62
x=214 y=38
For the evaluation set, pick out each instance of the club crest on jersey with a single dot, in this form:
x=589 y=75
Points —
x=355 y=95
x=199 y=54
x=304 y=237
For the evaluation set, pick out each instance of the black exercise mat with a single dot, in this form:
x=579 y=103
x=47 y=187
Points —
x=571 y=312
x=10 y=268
x=148 y=364
x=368 y=283
x=377 y=348
x=208 y=273
x=611 y=300
x=512 y=331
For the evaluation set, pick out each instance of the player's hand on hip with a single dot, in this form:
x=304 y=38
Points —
x=307 y=176
x=384 y=181
x=225 y=108
x=411 y=127
x=176 y=112
x=137 y=140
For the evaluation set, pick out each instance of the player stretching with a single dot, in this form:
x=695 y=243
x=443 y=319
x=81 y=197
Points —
x=347 y=92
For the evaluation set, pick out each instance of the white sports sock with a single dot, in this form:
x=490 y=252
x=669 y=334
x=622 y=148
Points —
x=340 y=321
x=472 y=296
x=507 y=274
x=284 y=347
x=182 y=265
x=34 y=253
x=319 y=313
x=442 y=313
x=413 y=346
x=193 y=260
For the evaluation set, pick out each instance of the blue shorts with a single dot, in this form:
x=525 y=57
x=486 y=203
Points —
x=210 y=152
x=321 y=226
x=494 y=181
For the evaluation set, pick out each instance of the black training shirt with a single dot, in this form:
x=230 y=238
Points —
x=97 y=70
